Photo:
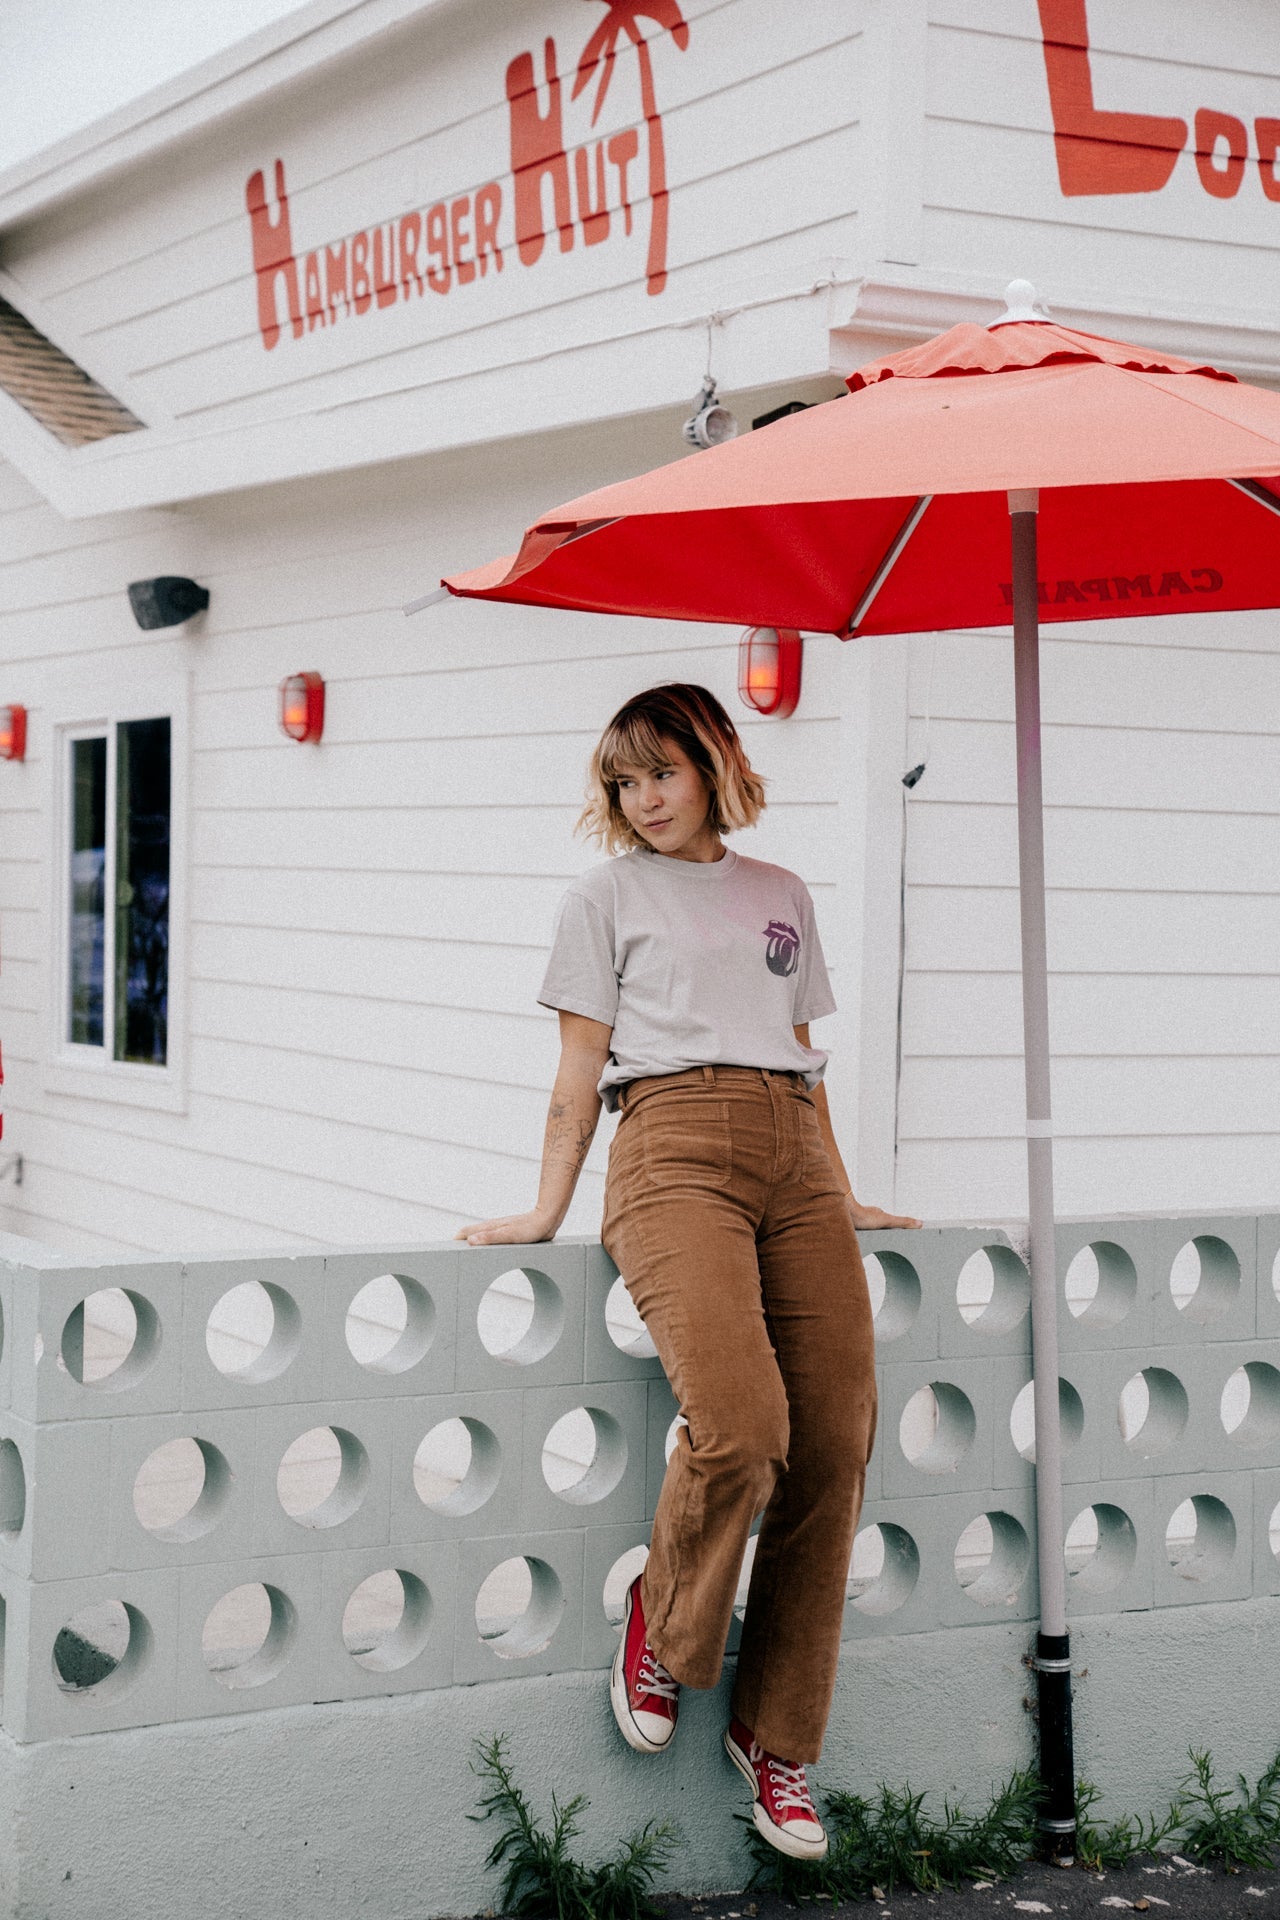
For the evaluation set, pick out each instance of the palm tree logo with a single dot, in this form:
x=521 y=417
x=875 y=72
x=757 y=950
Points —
x=601 y=50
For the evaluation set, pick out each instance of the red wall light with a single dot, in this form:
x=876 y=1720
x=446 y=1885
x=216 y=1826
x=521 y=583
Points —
x=769 y=669
x=302 y=706
x=13 y=733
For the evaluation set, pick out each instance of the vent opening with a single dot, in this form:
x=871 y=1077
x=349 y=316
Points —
x=47 y=384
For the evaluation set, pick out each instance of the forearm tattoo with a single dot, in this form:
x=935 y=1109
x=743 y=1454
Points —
x=568 y=1138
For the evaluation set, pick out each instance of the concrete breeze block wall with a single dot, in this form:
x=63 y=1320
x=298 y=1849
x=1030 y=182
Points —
x=417 y=1468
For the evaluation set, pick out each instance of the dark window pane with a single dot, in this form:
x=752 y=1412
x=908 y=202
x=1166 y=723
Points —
x=142 y=890
x=88 y=876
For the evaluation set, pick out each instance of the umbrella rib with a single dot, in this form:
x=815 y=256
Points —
x=431 y=599
x=1256 y=491
x=887 y=564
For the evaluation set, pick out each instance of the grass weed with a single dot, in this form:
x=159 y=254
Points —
x=1240 y=1825
x=541 y=1878
x=893 y=1841
x=1123 y=1840
x=880 y=1844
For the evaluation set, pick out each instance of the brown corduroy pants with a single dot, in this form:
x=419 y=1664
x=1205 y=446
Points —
x=729 y=1227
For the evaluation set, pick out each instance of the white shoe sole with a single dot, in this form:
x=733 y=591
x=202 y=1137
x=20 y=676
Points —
x=777 y=1836
x=631 y=1733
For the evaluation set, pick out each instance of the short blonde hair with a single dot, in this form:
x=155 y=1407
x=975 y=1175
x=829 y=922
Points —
x=638 y=736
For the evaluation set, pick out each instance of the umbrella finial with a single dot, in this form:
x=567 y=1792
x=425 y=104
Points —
x=1022 y=302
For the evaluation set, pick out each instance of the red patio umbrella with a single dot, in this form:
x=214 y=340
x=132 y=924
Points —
x=1021 y=473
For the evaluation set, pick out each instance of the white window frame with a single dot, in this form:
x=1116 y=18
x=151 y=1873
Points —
x=70 y=1067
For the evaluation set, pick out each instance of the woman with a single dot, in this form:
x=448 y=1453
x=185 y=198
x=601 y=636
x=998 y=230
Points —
x=685 y=977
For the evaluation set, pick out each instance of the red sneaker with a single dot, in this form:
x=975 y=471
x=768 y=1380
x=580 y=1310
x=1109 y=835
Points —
x=783 y=1812
x=645 y=1697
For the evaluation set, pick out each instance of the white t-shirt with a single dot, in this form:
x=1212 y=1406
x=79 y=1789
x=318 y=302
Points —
x=692 y=963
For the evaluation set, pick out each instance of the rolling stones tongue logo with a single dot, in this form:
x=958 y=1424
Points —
x=782 y=955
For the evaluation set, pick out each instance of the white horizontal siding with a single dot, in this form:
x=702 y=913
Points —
x=991 y=191
x=1162 y=836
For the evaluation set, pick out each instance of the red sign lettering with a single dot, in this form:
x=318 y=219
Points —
x=1099 y=152
x=1221 y=181
x=273 y=256
x=1106 y=151
x=453 y=243
x=600 y=53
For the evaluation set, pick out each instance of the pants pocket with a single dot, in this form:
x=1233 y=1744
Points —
x=817 y=1175
x=686 y=1142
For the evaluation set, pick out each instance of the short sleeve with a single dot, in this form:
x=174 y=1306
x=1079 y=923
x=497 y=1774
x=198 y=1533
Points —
x=814 y=997
x=580 y=976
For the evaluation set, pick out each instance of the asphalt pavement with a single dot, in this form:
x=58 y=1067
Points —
x=1171 y=1888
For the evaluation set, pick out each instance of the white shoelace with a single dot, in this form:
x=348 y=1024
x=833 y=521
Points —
x=654 y=1678
x=791 y=1789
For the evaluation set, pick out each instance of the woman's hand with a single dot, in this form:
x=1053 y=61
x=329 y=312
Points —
x=514 y=1230
x=872 y=1219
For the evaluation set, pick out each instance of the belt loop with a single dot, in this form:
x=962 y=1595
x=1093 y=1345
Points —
x=709 y=1076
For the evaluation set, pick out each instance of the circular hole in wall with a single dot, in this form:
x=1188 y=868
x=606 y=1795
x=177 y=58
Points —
x=1022 y=1419
x=13 y=1490
x=518 y=1607
x=584 y=1456
x=624 y=1326
x=1101 y=1284
x=247 y=1635
x=1100 y=1548
x=1204 y=1278
x=387 y=1620
x=456 y=1467
x=253 y=1332
x=110 y=1339
x=520 y=1316
x=181 y=1488
x=1200 y=1538
x=322 y=1477
x=937 y=1427
x=993 y=1290
x=991 y=1559
x=101 y=1649
x=1250 y=1405
x=390 y=1323
x=1152 y=1412
x=894 y=1287
x=883 y=1569
x=626 y=1568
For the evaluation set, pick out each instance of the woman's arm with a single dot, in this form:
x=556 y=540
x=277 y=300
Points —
x=868 y=1218
x=571 y=1125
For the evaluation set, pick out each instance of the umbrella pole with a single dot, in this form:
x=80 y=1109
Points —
x=1053 y=1646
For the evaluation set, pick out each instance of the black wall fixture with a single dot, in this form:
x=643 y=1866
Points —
x=166 y=601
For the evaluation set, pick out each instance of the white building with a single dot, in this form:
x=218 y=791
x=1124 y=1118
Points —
x=358 y=298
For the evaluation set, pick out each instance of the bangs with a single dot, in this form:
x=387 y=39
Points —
x=633 y=741
x=639 y=739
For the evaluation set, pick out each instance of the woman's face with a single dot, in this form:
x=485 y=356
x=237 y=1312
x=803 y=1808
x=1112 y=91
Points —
x=670 y=806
